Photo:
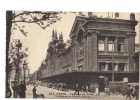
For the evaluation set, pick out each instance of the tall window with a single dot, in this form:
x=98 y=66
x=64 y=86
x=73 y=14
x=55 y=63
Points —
x=121 y=67
x=102 y=66
x=111 y=45
x=101 y=45
x=110 y=67
x=80 y=38
x=121 y=46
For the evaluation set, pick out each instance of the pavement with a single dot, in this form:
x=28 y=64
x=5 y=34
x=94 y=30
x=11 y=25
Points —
x=51 y=93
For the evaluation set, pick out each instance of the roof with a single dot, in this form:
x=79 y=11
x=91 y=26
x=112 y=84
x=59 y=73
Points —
x=77 y=19
x=85 y=20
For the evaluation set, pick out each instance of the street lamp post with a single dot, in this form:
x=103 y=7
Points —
x=24 y=67
x=18 y=45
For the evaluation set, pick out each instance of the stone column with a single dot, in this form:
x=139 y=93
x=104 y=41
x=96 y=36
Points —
x=85 y=53
x=73 y=57
x=106 y=66
x=131 y=49
x=106 y=44
x=89 y=51
x=116 y=67
x=93 y=52
x=125 y=44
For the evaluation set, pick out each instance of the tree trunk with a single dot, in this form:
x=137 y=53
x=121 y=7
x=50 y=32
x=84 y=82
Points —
x=8 y=34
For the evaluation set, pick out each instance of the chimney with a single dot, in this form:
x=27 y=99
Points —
x=116 y=14
x=132 y=16
x=89 y=14
x=80 y=14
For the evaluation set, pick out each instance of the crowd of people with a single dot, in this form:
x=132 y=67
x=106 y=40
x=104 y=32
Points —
x=130 y=92
x=20 y=89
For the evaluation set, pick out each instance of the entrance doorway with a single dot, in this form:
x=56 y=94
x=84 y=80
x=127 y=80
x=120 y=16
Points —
x=101 y=83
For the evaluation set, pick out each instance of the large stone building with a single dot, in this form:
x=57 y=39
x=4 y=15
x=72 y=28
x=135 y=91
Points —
x=100 y=50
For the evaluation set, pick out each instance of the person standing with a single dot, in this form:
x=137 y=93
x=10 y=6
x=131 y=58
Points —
x=19 y=89
x=97 y=90
x=87 y=88
x=34 y=92
x=15 y=90
x=22 y=90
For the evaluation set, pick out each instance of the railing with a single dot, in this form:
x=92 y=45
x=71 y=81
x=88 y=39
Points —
x=113 y=53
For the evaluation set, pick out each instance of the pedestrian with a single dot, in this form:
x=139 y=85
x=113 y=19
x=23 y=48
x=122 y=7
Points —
x=107 y=91
x=15 y=90
x=128 y=92
x=97 y=90
x=19 y=90
x=87 y=88
x=34 y=92
x=8 y=91
x=76 y=89
x=22 y=88
x=136 y=92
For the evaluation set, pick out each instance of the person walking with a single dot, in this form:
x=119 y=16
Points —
x=76 y=89
x=107 y=91
x=136 y=92
x=128 y=92
x=34 y=92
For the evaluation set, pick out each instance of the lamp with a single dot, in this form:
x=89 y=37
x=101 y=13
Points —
x=24 y=67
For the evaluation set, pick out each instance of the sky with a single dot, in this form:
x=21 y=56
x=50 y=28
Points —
x=37 y=39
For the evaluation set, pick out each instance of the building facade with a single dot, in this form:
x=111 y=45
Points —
x=100 y=50
x=21 y=73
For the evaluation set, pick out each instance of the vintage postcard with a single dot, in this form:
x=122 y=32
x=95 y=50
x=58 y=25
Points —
x=72 y=55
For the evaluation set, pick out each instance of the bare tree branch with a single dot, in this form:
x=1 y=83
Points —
x=35 y=12
x=24 y=21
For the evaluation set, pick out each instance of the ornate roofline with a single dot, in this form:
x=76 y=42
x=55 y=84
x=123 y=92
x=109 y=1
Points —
x=75 y=23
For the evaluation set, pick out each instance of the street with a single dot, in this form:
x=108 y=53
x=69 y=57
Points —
x=50 y=93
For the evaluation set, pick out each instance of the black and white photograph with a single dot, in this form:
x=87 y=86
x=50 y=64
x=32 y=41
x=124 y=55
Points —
x=72 y=55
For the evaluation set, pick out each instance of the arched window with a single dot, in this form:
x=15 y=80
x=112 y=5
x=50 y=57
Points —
x=121 y=46
x=101 y=45
x=111 y=45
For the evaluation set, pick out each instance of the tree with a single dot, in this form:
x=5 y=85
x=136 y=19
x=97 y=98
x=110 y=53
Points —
x=42 y=19
x=16 y=56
